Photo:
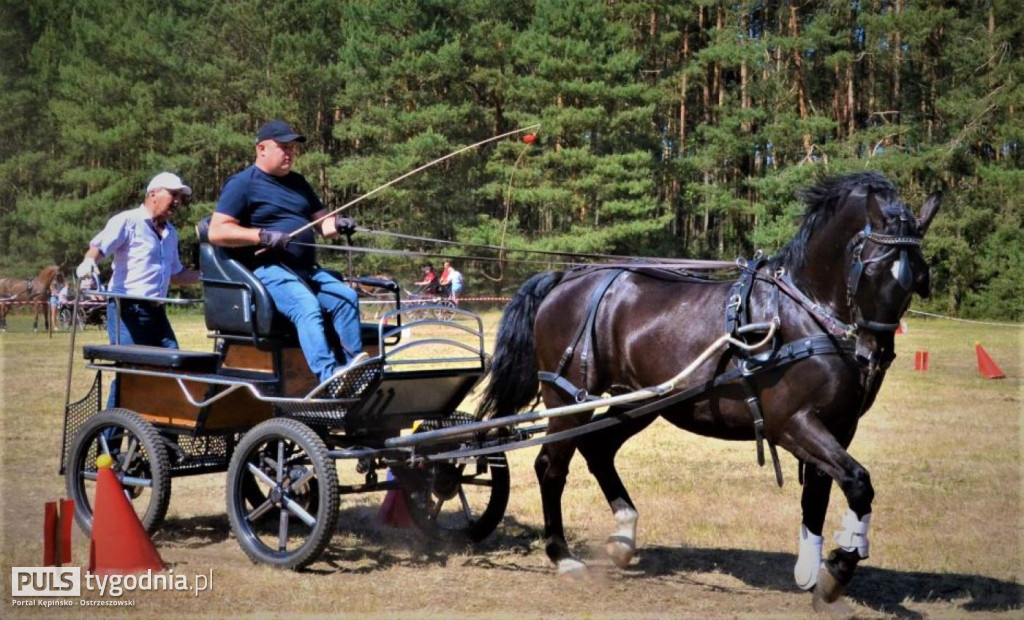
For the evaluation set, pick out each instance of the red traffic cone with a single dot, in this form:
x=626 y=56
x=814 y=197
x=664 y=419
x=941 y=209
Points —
x=120 y=545
x=986 y=366
x=394 y=511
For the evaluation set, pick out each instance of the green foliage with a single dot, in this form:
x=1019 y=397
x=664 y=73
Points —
x=668 y=129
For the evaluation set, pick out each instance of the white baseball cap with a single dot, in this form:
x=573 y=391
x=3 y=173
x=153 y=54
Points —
x=168 y=180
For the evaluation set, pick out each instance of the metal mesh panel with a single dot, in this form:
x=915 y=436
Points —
x=337 y=398
x=206 y=453
x=76 y=414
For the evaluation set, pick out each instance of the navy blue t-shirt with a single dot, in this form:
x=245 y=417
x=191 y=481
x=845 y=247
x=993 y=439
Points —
x=260 y=200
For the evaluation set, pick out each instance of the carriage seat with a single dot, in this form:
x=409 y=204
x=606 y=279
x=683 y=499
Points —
x=238 y=305
x=140 y=355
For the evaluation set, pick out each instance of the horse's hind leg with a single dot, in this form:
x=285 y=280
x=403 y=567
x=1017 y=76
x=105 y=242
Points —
x=552 y=468
x=599 y=450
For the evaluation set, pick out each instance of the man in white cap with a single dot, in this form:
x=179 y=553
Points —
x=144 y=245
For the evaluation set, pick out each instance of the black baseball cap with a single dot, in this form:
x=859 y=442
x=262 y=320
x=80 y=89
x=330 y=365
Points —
x=279 y=131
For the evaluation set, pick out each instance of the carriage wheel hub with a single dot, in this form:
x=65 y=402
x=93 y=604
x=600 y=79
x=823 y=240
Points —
x=446 y=482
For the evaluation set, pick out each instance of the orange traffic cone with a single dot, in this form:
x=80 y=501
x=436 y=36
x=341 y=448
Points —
x=986 y=366
x=120 y=545
x=394 y=511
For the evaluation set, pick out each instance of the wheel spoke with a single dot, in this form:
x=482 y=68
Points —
x=475 y=481
x=282 y=532
x=135 y=481
x=466 y=509
x=259 y=511
x=133 y=445
x=103 y=443
x=297 y=484
x=280 y=461
x=260 y=474
x=435 y=510
x=298 y=511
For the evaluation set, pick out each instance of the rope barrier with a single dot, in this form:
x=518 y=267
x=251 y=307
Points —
x=406 y=301
x=950 y=318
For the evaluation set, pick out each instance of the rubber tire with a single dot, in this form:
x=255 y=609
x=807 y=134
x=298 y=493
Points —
x=413 y=484
x=326 y=478
x=157 y=458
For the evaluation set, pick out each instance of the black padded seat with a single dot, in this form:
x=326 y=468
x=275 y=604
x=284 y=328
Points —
x=140 y=355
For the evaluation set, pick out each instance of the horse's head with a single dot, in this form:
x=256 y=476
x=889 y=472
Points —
x=886 y=263
x=858 y=250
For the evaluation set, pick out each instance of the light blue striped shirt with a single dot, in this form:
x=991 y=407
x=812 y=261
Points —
x=144 y=259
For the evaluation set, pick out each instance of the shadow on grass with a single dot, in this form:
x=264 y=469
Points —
x=883 y=590
x=361 y=544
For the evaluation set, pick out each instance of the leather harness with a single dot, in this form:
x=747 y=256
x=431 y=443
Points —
x=839 y=338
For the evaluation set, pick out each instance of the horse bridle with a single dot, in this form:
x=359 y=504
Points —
x=901 y=243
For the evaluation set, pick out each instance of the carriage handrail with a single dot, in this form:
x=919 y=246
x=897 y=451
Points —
x=174 y=301
x=233 y=385
x=610 y=401
x=479 y=351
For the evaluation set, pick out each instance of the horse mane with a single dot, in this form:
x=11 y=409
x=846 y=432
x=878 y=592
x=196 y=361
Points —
x=822 y=202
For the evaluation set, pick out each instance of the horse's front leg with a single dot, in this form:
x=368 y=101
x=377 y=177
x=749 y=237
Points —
x=807 y=438
x=814 y=504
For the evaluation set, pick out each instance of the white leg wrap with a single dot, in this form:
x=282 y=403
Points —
x=854 y=535
x=571 y=566
x=621 y=544
x=625 y=524
x=808 y=562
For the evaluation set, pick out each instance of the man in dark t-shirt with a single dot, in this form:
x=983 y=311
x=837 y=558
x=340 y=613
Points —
x=261 y=206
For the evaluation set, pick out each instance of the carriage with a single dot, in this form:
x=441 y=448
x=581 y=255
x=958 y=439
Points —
x=251 y=408
x=808 y=338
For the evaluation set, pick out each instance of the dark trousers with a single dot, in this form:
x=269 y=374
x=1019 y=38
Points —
x=141 y=322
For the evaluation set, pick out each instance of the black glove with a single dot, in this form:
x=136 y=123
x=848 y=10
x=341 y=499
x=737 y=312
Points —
x=273 y=239
x=345 y=225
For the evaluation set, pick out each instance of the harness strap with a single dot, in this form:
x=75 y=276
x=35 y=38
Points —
x=821 y=344
x=578 y=394
x=821 y=315
x=586 y=328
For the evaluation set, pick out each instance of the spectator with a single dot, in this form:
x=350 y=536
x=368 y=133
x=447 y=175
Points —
x=55 y=288
x=451 y=280
x=144 y=246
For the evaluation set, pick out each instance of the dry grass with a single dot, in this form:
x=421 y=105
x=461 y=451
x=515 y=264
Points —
x=717 y=537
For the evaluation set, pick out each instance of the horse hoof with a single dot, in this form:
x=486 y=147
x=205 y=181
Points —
x=838 y=608
x=572 y=569
x=828 y=596
x=620 y=550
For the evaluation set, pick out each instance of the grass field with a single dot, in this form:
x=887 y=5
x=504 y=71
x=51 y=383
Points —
x=717 y=538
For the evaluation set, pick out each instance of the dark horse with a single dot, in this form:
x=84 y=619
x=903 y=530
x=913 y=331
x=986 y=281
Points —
x=35 y=291
x=835 y=295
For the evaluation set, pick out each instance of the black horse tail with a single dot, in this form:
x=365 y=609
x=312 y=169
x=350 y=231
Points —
x=513 y=370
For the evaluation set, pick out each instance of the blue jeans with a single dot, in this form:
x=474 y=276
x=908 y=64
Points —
x=141 y=323
x=303 y=297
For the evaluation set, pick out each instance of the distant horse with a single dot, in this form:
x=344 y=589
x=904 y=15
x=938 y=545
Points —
x=835 y=294
x=35 y=291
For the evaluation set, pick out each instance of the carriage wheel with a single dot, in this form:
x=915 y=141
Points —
x=458 y=501
x=445 y=310
x=289 y=464
x=140 y=462
x=64 y=319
